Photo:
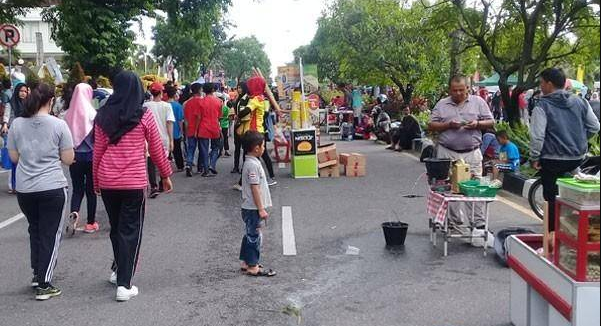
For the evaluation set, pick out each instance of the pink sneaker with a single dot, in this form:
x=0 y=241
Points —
x=91 y=228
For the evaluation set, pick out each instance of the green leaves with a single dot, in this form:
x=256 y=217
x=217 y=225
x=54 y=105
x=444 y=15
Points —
x=241 y=55
x=95 y=34
x=192 y=33
x=382 y=42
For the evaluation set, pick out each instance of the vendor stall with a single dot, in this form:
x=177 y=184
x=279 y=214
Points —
x=542 y=294
x=457 y=188
x=304 y=136
x=560 y=287
x=438 y=207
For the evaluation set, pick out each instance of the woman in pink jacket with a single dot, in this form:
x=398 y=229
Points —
x=123 y=127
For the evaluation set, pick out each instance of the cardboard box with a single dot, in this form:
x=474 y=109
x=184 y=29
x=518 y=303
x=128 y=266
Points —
x=460 y=171
x=327 y=164
x=352 y=159
x=330 y=172
x=343 y=158
x=327 y=153
x=355 y=170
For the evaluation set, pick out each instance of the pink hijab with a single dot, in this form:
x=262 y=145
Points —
x=80 y=115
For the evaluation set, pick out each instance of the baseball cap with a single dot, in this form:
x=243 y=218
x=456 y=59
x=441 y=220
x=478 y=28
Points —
x=156 y=87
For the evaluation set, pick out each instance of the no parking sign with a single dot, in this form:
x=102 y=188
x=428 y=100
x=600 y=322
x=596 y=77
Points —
x=9 y=35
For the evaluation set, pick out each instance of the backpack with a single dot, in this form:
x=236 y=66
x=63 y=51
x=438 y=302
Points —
x=501 y=242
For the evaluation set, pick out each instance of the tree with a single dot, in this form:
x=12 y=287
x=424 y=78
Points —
x=11 y=9
x=378 y=42
x=523 y=37
x=309 y=53
x=192 y=32
x=241 y=55
x=96 y=34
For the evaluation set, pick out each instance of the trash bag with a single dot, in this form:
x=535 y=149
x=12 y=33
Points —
x=501 y=244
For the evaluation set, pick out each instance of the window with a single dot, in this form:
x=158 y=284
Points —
x=29 y=30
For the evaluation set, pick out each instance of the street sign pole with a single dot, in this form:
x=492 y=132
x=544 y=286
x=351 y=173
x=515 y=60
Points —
x=9 y=37
x=10 y=62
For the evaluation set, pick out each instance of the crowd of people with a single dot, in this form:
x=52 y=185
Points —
x=115 y=151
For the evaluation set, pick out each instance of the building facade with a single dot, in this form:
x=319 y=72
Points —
x=32 y=24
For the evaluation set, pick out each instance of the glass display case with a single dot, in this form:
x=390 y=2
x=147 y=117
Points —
x=577 y=240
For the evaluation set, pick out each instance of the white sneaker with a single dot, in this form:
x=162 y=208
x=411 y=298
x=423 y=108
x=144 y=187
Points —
x=113 y=278
x=237 y=187
x=124 y=294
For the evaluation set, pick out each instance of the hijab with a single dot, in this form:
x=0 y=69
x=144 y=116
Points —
x=242 y=99
x=256 y=86
x=16 y=103
x=123 y=111
x=81 y=113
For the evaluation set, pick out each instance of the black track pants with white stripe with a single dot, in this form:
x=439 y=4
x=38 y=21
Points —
x=125 y=209
x=45 y=212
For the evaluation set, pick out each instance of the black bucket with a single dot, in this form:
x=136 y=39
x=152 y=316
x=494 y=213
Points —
x=438 y=168
x=395 y=233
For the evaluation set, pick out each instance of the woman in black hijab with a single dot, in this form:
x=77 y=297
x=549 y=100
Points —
x=14 y=109
x=241 y=103
x=123 y=127
x=123 y=110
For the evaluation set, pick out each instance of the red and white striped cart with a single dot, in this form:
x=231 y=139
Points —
x=541 y=294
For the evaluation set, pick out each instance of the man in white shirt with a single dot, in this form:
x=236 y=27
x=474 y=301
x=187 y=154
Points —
x=163 y=115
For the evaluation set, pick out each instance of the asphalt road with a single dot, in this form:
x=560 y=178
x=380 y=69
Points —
x=188 y=272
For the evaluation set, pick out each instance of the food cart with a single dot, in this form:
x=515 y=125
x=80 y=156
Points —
x=561 y=289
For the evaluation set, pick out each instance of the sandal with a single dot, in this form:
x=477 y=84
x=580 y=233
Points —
x=262 y=272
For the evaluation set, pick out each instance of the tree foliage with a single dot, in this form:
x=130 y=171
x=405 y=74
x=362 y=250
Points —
x=241 y=55
x=382 y=42
x=95 y=33
x=11 y=9
x=523 y=37
x=192 y=32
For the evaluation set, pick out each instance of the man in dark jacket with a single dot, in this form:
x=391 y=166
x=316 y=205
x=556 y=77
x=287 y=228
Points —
x=560 y=127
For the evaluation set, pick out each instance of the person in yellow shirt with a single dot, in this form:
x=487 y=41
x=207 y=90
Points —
x=252 y=118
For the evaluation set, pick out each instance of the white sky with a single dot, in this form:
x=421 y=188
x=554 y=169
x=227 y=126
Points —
x=282 y=25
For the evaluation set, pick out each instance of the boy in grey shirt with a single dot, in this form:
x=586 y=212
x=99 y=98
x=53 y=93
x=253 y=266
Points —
x=256 y=198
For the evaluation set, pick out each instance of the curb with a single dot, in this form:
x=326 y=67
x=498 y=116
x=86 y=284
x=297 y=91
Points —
x=517 y=184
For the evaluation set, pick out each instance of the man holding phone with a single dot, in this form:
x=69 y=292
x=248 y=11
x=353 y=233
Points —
x=459 y=120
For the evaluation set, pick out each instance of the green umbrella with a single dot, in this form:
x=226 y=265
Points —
x=494 y=80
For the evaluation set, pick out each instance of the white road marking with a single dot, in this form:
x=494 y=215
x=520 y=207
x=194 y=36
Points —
x=11 y=220
x=288 y=239
x=4 y=171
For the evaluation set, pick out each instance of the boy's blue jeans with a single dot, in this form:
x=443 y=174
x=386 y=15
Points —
x=250 y=250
